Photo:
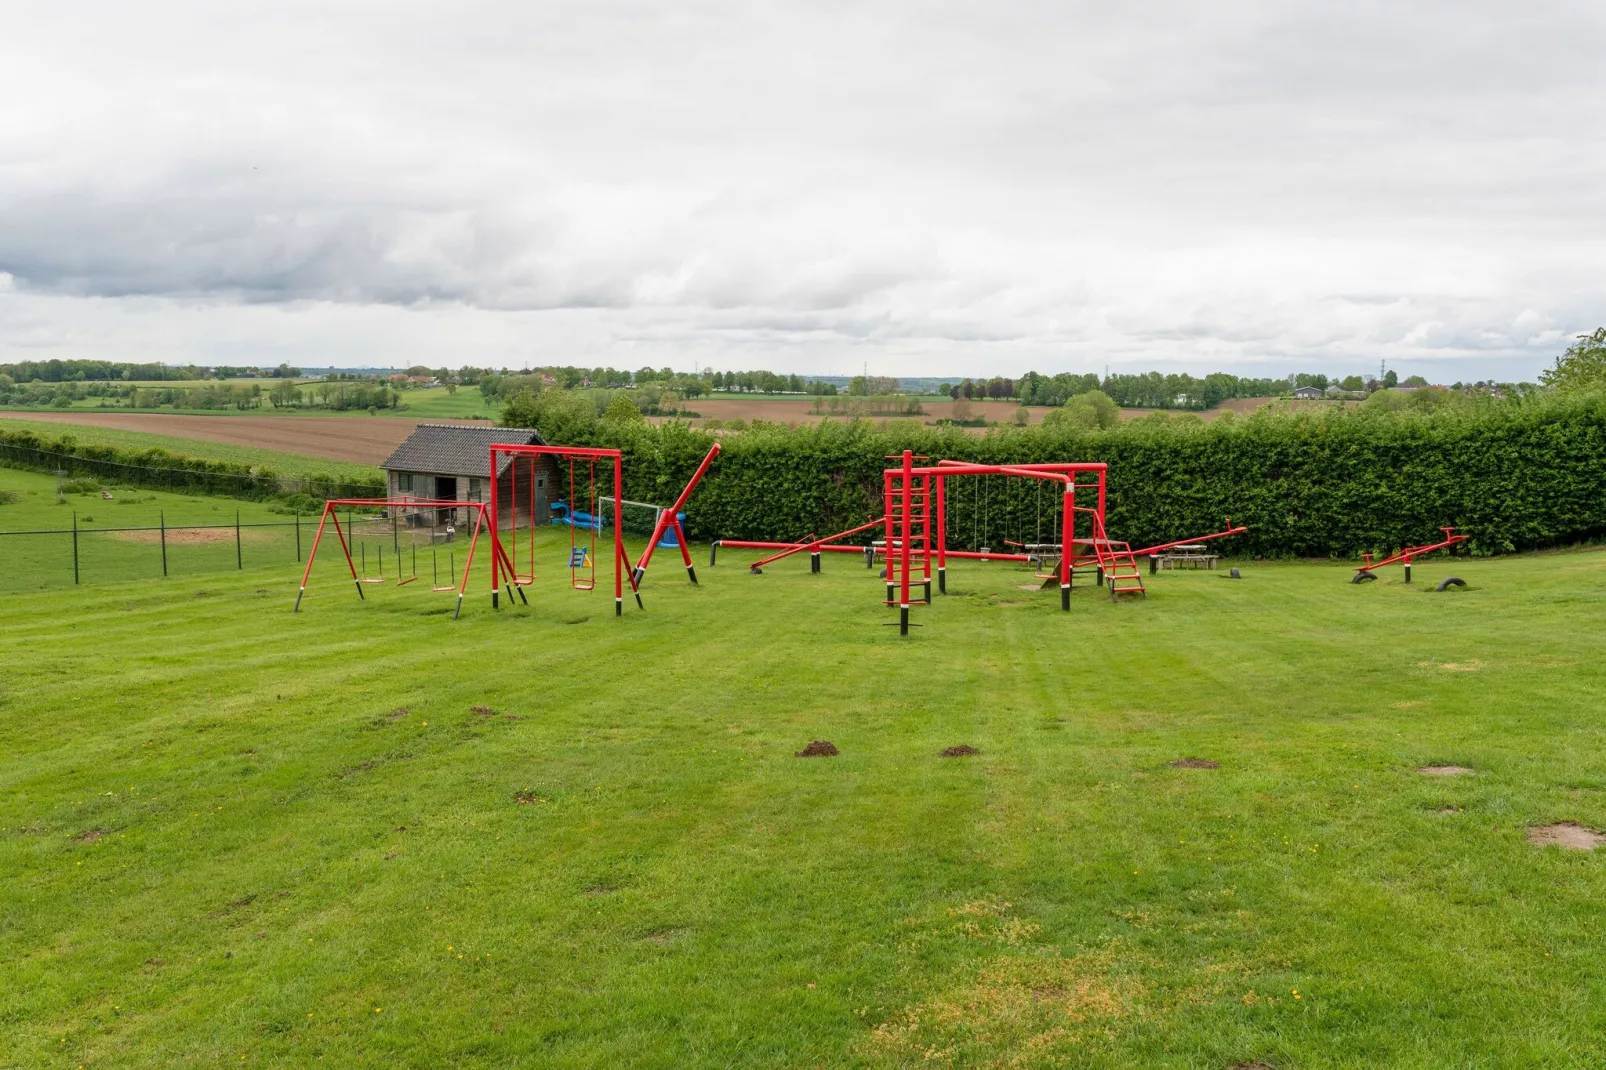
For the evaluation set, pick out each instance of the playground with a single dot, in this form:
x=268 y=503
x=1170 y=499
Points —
x=1194 y=831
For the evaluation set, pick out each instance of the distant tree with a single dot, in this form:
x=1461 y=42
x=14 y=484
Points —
x=1023 y=416
x=1391 y=379
x=1583 y=365
x=621 y=410
x=284 y=394
x=451 y=389
x=1415 y=380
x=1353 y=382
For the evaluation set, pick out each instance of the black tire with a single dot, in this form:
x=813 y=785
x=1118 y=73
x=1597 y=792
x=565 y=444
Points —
x=755 y=570
x=1362 y=577
x=1450 y=581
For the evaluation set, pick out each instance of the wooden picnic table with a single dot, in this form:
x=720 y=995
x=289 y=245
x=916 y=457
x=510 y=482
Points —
x=1188 y=555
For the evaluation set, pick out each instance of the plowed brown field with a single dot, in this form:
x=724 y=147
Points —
x=366 y=440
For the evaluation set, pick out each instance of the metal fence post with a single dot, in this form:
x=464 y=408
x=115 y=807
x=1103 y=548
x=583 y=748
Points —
x=75 y=546
x=239 y=557
x=298 y=536
x=162 y=516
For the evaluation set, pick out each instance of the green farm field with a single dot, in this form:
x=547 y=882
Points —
x=368 y=835
x=291 y=464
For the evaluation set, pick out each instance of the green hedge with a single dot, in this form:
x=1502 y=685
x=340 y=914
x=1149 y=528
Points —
x=1513 y=475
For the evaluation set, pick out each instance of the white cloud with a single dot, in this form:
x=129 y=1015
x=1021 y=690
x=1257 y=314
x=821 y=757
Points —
x=932 y=188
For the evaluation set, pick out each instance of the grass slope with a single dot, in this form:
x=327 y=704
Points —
x=37 y=506
x=292 y=464
x=545 y=836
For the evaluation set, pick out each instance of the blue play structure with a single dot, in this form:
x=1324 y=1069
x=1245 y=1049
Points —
x=669 y=542
x=561 y=515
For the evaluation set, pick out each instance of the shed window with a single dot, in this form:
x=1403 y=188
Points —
x=404 y=482
x=474 y=488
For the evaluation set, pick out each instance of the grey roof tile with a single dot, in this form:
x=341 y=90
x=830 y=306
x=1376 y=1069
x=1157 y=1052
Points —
x=455 y=449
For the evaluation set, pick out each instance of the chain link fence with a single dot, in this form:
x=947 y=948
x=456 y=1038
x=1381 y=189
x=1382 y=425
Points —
x=422 y=544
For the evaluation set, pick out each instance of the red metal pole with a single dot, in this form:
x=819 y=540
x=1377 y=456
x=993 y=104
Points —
x=925 y=541
x=942 y=535
x=890 y=539
x=313 y=556
x=479 y=524
x=670 y=517
x=349 y=563
x=1069 y=522
x=498 y=555
x=908 y=501
x=618 y=536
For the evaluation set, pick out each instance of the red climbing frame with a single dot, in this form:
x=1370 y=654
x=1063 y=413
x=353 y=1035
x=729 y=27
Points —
x=501 y=563
x=329 y=513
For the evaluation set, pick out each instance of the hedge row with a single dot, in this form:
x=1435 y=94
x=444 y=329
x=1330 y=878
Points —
x=160 y=470
x=1514 y=475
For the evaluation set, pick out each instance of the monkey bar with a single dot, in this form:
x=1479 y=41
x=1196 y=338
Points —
x=330 y=513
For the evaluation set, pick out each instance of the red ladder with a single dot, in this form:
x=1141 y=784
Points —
x=1121 y=572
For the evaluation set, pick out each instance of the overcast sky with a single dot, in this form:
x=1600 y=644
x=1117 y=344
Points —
x=932 y=188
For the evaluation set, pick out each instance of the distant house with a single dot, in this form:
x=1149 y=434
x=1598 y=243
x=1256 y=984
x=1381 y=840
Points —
x=452 y=462
x=1308 y=393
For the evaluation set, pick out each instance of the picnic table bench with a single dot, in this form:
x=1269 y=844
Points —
x=1188 y=555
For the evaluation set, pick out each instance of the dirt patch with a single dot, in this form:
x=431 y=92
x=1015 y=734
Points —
x=1451 y=666
x=964 y=750
x=483 y=711
x=528 y=798
x=820 y=748
x=1445 y=770
x=91 y=836
x=1195 y=763
x=184 y=536
x=1567 y=834
x=402 y=711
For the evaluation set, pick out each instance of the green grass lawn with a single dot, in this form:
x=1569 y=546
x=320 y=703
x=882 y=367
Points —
x=290 y=464
x=545 y=836
x=38 y=506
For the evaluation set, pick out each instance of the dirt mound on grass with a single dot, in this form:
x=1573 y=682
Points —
x=1195 y=763
x=820 y=748
x=1445 y=770
x=964 y=750
x=1566 y=834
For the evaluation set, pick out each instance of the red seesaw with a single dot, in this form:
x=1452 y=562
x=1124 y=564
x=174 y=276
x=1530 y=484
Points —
x=1366 y=572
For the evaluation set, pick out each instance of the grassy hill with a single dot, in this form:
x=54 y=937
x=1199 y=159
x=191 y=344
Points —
x=366 y=835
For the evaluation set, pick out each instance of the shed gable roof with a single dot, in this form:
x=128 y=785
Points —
x=456 y=449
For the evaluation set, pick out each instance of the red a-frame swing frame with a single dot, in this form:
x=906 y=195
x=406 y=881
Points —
x=502 y=565
x=330 y=513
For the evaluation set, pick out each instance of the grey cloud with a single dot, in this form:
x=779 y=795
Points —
x=939 y=184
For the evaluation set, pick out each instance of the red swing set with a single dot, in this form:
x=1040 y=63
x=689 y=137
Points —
x=331 y=514
x=582 y=556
